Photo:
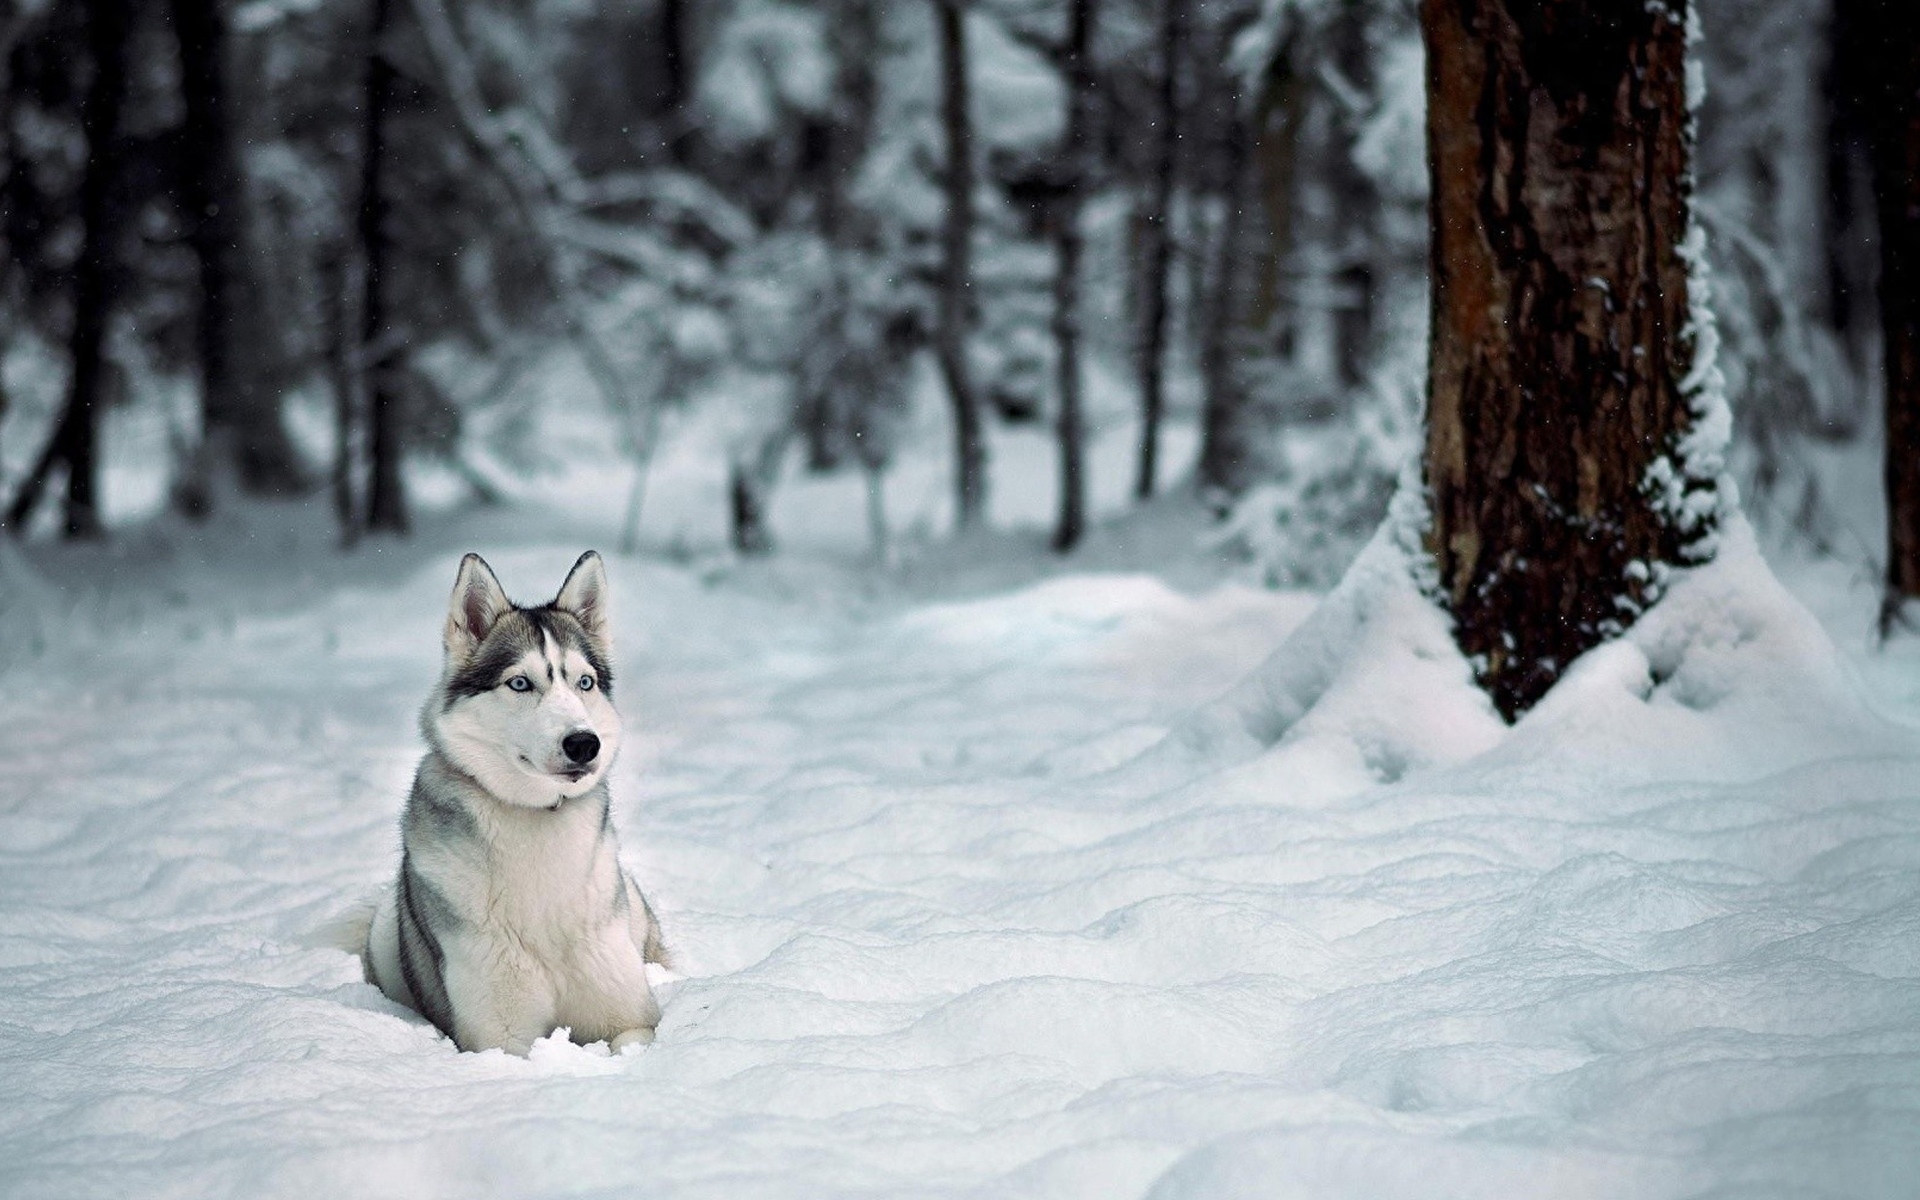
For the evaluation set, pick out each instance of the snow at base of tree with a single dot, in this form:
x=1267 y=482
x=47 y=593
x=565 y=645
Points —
x=989 y=896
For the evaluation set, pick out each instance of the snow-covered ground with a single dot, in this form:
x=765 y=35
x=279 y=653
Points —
x=1052 y=891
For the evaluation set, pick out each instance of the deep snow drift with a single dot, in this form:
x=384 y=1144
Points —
x=959 y=917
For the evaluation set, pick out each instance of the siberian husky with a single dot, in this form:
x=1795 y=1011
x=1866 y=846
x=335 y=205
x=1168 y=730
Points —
x=511 y=915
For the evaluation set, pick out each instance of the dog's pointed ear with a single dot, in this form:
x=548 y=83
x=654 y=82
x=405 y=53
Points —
x=478 y=601
x=584 y=595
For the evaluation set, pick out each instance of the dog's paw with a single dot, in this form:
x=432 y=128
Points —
x=632 y=1037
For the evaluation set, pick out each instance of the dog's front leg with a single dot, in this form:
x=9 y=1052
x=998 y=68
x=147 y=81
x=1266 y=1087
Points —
x=609 y=997
x=500 y=999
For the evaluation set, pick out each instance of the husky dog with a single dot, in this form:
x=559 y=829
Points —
x=511 y=915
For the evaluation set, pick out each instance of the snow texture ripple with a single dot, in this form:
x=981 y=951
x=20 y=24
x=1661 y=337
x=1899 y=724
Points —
x=998 y=898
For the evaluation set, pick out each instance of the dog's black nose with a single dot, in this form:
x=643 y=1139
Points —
x=580 y=747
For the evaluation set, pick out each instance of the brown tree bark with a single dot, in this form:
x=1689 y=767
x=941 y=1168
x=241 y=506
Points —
x=379 y=351
x=956 y=272
x=1159 y=248
x=75 y=441
x=1560 y=147
x=1885 y=69
x=1067 y=248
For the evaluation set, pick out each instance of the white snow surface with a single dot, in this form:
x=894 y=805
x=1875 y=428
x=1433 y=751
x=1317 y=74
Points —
x=1046 y=893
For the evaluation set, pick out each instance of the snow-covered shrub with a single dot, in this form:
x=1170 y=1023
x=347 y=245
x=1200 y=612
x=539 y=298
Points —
x=1303 y=527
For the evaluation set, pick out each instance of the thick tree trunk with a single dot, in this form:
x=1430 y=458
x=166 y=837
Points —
x=1887 y=68
x=386 y=502
x=76 y=438
x=1159 y=248
x=1560 y=149
x=1067 y=246
x=956 y=274
x=213 y=199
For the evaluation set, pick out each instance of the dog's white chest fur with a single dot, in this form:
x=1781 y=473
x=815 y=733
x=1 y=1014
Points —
x=511 y=915
x=549 y=879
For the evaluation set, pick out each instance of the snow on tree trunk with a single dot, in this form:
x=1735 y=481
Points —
x=1573 y=407
x=386 y=503
x=956 y=273
x=1887 y=71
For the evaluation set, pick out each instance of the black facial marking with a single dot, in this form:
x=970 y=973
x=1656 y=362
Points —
x=509 y=641
x=570 y=634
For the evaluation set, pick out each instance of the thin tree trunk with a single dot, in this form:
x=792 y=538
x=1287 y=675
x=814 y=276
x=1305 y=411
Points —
x=94 y=274
x=1353 y=324
x=1853 y=41
x=213 y=198
x=76 y=438
x=956 y=273
x=646 y=444
x=749 y=484
x=1159 y=248
x=1273 y=316
x=878 y=536
x=386 y=501
x=341 y=345
x=1888 y=68
x=1225 y=457
x=679 y=76
x=1560 y=150
x=1067 y=245
x=856 y=106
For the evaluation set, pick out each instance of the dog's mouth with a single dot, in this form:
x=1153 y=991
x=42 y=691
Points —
x=570 y=774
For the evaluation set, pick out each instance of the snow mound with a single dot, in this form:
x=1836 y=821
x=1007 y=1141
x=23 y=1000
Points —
x=1728 y=676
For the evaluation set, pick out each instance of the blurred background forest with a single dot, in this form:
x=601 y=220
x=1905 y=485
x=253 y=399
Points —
x=673 y=262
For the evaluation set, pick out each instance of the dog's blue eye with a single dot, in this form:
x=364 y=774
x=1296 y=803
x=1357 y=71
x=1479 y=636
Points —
x=520 y=683
x=586 y=683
